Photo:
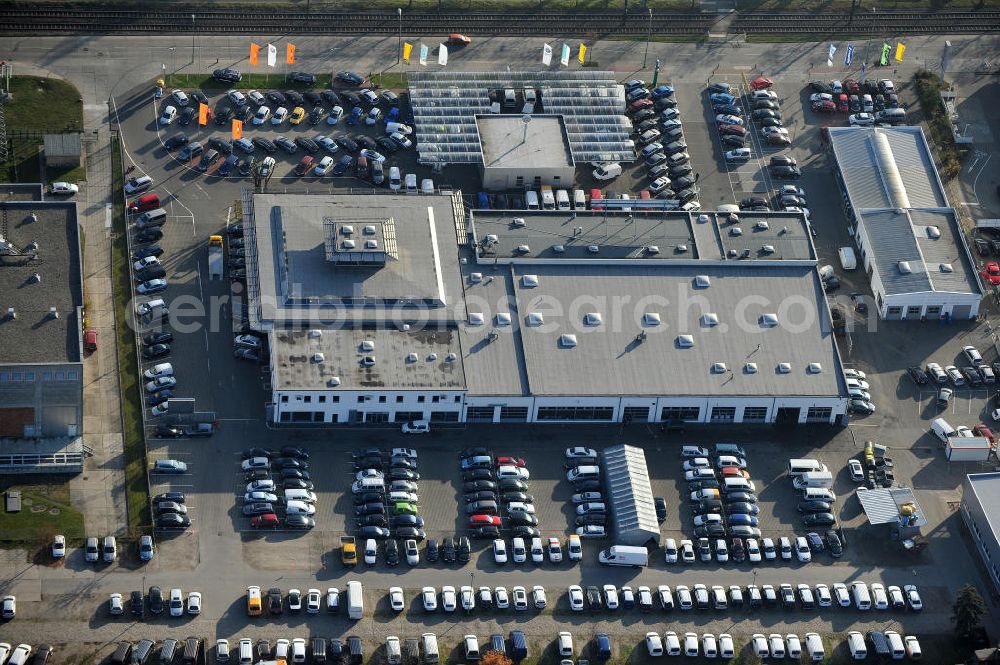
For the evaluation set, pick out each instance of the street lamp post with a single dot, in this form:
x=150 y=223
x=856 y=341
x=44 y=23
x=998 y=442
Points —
x=173 y=68
x=399 y=40
x=649 y=35
x=192 y=39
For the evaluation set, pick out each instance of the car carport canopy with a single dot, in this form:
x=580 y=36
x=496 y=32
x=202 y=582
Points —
x=629 y=496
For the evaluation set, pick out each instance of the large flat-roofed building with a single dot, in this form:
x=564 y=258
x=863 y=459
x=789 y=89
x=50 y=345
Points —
x=525 y=151
x=41 y=364
x=596 y=316
x=981 y=513
x=906 y=232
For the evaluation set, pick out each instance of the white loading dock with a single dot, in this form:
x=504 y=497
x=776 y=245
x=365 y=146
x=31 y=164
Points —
x=629 y=497
x=906 y=232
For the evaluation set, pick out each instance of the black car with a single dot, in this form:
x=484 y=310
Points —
x=373 y=532
x=814 y=506
x=748 y=497
x=159 y=398
x=788 y=172
x=369 y=463
x=316 y=114
x=223 y=146
x=228 y=75
x=274 y=602
x=686 y=195
x=330 y=97
x=706 y=506
x=522 y=497
x=386 y=145
x=752 y=201
x=156 y=351
x=710 y=531
x=684 y=182
x=728 y=109
x=592 y=485
x=368 y=497
x=224 y=116
x=464 y=549
x=834 y=545
x=294 y=98
x=411 y=532
x=286 y=144
x=664 y=103
x=819 y=519
x=143 y=252
x=820 y=86
x=173 y=521
x=294 y=599
x=289 y=463
x=299 y=522
x=525 y=532
x=265 y=144
x=373 y=519
x=521 y=518
x=482 y=495
x=176 y=141
x=433 y=552
x=176 y=497
x=733 y=141
x=782 y=160
x=594 y=600
x=512 y=485
x=917 y=375
x=136 y=603
x=260 y=508
x=403 y=474
x=256 y=474
x=301 y=77
x=737 y=552
x=155 y=600
x=477 y=474
x=307 y=144
x=448 y=550
x=349 y=78
x=365 y=141
x=485 y=532
x=370 y=509
x=479 y=486
x=599 y=519
x=742 y=508
x=392 y=552
x=352 y=99
x=680 y=169
x=414 y=521
x=151 y=234
x=187 y=115
x=168 y=432
x=294 y=473
x=158 y=337
x=258 y=452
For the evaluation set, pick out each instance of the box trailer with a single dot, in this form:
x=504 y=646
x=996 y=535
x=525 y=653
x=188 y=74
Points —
x=968 y=449
x=848 y=261
x=215 y=257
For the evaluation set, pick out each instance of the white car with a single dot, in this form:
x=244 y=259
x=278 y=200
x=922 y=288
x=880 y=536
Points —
x=257 y=497
x=236 y=97
x=574 y=548
x=861 y=120
x=654 y=644
x=520 y=598
x=537 y=553
x=575 y=598
x=520 y=552
x=727 y=649
x=176 y=603
x=696 y=463
x=169 y=115
x=67 y=188
x=428 y=595
x=753 y=550
x=146 y=262
x=520 y=506
x=856 y=470
x=396 y=600
x=417 y=426
x=691 y=644
x=412 y=553
x=8 y=608
x=687 y=551
x=671 y=643
x=738 y=155
x=280 y=115
x=770 y=553
x=281 y=648
x=501 y=598
x=256 y=97
x=881 y=601
x=299 y=650
x=913 y=598
x=670 y=551
x=565 y=643
x=608 y=171
x=115 y=605
x=794 y=646
x=802 y=551
x=373 y=116
x=59 y=546
x=266 y=485
x=538 y=596
x=555 y=551
x=20 y=655
x=500 y=551
x=449 y=600
x=313 y=599
x=683 y=595
x=371 y=551
x=591 y=531
x=758 y=644
x=180 y=97
x=394 y=127
x=725 y=119
x=709 y=647
x=194 y=602
x=841 y=593
x=300 y=508
x=912 y=646
x=162 y=369
x=261 y=116
x=777 y=644
x=821 y=97
x=401 y=140
x=510 y=471
x=611 y=596
x=823 y=597
x=332 y=599
x=580 y=451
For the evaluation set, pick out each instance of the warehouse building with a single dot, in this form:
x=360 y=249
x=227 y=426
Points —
x=521 y=129
x=906 y=232
x=41 y=368
x=389 y=308
x=981 y=514
x=630 y=497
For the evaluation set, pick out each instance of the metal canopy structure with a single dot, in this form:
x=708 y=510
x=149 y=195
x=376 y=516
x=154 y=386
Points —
x=592 y=105
x=630 y=496
x=885 y=506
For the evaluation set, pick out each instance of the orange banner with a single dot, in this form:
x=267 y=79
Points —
x=290 y=54
x=237 y=130
x=202 y=114
x=254 y=51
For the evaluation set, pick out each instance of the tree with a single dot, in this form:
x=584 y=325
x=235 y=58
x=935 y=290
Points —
x=968 y=607
x=495 y=658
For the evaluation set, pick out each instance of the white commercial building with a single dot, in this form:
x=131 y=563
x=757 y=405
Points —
x=394 y=308
x=907 y=234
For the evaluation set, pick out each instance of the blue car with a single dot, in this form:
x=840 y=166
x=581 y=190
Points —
x=484 y=201
x=661 y=91
x=228 y=166
x=356 y=114
x=722 y=98
x=345 y=163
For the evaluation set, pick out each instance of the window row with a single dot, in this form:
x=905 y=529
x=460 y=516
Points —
x=14 y=377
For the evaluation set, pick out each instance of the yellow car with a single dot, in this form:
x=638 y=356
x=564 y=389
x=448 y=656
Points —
x=253 y=601
x=298 y=115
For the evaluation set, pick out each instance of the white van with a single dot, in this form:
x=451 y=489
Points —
x=813 y=479
x=942 y=429
x=548 y=199
x=562 y=199
x=624 y=555
x=818 y=494
x=531 y=199
x=814 y=647
x=585 y=472
x=300 y=495
x=579 y=199
x=862 y=599
x=245 y=651
x=410 y=183
x=429 y=645
x=355 y=600
x=509 y=97
x=895 y=645
x=368 y=485
x=796 y=467
x=395 y=181
x=738 y=484
x=856 y=645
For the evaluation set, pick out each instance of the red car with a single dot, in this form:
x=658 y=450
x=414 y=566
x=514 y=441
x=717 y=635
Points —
x=843 y=105
x=510 y=461
x=778 y=139
x=983 y=430
x=733 y=130
x=824 y=107
x=639 y=104
x=456 y=39
x=263 y=521
x=90 y=340
x=852 y=87
x=484 y=520
x=992 y=272
x=761 y=83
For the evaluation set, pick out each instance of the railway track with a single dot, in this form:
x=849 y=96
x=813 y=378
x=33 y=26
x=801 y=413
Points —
x=75 y=21
x=895 y=23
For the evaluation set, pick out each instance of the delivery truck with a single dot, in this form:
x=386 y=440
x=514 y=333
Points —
x=968 y=449
x=215 y=257
x=624 y=555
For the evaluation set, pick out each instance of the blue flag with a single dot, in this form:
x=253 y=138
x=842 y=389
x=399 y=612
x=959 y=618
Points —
x=849 y=56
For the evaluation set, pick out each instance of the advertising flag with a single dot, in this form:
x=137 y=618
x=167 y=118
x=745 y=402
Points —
x=254 y=51
x=565 y=55
x=272 y=55
x=290 y=54
x=885 y=54
x=583 y=53
x=546 y=55
x=442 y=55
x=864 y=70
x=203 y=114
x=900 y=49
x=423 y=54
x=407 y=50
x=829 y=55
x=849 y=56
x=237 y=129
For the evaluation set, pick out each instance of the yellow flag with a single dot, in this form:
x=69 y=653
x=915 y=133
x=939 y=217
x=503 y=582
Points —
x=407 y=49
x=582 y=54
x=900 y=49
x=237 y=129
